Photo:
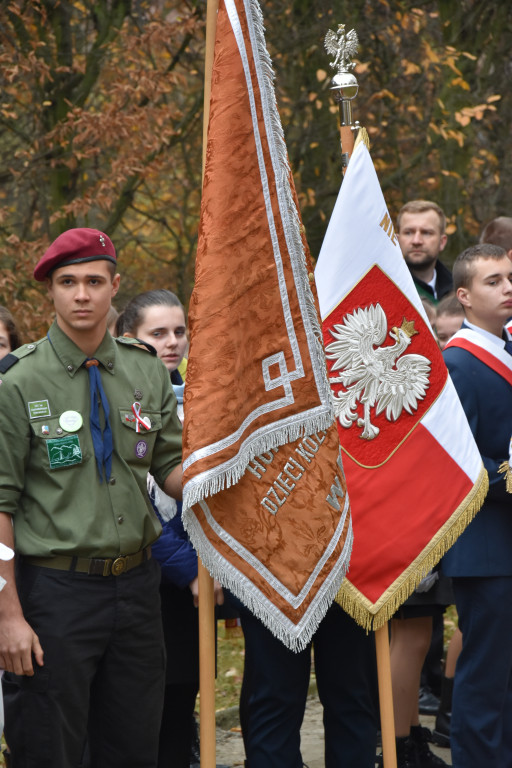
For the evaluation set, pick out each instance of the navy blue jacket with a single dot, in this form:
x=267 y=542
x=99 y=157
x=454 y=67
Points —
x=175 y=553
x=485 y=547
x=173 y=550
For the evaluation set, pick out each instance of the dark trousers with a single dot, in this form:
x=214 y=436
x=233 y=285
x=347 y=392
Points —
x=432 y=671
x=103 y=676
x=181 y=635
x=275 y=687
x=177 y=727
x=481 y=726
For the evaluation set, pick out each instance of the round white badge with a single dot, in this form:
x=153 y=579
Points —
x=71 y=421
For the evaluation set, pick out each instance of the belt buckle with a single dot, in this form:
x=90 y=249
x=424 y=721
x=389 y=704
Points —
x=118 y=566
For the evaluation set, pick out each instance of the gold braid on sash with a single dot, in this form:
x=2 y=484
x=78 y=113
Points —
x=506 y=469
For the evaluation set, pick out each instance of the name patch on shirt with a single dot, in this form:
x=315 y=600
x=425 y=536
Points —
x=39 y=408
x=64 y=451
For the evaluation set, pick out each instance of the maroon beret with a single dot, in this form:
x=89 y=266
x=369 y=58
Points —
x=74 y=247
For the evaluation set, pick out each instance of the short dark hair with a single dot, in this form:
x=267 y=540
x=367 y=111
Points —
x=450 y=305
x=132 y=315
x=421 y=206
x=462 y=269
x=498 y=232
x=10 y=326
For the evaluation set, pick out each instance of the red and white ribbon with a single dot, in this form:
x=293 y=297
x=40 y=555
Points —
x=140 y=420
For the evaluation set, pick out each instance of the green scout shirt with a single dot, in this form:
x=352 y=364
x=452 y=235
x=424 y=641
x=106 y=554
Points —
x=49 y=480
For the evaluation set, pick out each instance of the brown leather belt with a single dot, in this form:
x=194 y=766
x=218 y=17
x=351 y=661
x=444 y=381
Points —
x=96 y=566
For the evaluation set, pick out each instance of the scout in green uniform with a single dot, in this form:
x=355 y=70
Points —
x=83 y=418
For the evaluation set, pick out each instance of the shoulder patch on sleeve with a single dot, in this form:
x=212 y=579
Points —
x=7 y=362
x=137 y=343
x=12 y=358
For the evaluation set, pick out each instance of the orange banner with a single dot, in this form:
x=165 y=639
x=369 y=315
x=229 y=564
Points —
x=264 y=491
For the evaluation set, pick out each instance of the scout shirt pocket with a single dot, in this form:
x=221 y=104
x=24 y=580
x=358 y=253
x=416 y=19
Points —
x=138 y=439
x=57 y=447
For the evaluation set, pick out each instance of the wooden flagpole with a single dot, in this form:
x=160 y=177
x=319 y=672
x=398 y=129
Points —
x=387 y=722
x=207 y=731
x=343 y=46
x=211 y=28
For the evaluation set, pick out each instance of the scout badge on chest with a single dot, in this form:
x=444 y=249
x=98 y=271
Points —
x=71 y=421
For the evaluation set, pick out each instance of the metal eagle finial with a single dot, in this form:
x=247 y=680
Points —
x=343 y=46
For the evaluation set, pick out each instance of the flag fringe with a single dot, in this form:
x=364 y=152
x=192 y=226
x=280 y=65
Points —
x=294 y=637
x=214 y=480
x=373 y=616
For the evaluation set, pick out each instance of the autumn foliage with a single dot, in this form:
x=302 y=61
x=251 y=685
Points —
x=100 y=126
x=101 y=123
x=433 y=95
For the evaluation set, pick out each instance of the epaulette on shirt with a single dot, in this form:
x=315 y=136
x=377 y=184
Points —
x=11 y=359
x=131 y=342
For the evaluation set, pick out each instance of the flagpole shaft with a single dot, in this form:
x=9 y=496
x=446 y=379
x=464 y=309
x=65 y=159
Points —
x=206 y=668
x=207 y=733
x=347 y=144
x=211 y=26
x=387 y=723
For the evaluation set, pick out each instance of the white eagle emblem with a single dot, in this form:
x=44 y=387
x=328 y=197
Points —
x=372 y=374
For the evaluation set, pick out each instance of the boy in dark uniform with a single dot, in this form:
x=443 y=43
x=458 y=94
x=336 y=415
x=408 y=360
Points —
x=480 y=561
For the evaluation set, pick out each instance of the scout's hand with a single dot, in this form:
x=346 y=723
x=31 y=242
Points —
x=173 y=482
x=18 y=642
x=217 y=591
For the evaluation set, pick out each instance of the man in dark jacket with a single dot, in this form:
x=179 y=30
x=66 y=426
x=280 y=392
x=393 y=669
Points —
x=421 y=226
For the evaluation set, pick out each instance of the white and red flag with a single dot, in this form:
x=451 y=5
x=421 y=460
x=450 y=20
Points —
x=413 y=470
x=265 y=501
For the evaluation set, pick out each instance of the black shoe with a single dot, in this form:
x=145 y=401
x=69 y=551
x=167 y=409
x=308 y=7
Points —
x=428 y=703
x=425 y=757
x=405 y=754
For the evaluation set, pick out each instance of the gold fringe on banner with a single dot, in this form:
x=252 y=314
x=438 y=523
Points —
x=373 y=616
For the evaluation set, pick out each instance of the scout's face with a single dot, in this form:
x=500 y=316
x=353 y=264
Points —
x=82 y=294
x=487 y=301
x=164 y=328
x=420 y=238
x=5 y=344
